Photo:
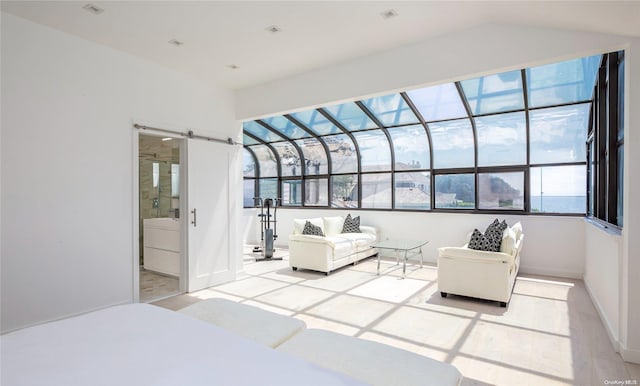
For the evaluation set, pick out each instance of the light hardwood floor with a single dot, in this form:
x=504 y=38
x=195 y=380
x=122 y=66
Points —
x=550 y=333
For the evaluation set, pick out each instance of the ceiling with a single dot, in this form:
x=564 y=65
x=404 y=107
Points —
x=218 y=34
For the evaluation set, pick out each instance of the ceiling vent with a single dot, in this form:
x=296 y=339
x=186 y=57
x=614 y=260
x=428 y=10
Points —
x=389 y=14
x=233 y=66
x=93 y=9
x=273 y=29
x=175 y=42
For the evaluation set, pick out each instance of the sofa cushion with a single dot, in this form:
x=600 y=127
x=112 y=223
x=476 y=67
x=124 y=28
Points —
x=310 y=229
x=342 y=246
x=298 y=224
x=508 y=241
x=333 y=225
x=480 y=242
x=517 y=228
x=494 y=234
x=359 y=239
x=351 y=225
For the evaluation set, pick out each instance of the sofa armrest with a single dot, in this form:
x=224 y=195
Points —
x=312 y=239
x=369 y=230
x=463 y=253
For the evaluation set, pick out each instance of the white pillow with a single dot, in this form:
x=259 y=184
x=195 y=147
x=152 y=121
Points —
x=517 y=228
x=508 y=241
x=333 y=225
x=298 y=224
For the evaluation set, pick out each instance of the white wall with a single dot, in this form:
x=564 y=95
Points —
x=68 y=106
x=543 y=252
x=477 y=51
x=603 y=255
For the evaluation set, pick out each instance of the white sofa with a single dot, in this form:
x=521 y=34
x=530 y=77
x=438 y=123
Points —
x=481 y=274
x=331 y=251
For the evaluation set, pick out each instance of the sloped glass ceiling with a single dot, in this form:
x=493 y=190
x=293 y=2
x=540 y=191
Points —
x=512 y=141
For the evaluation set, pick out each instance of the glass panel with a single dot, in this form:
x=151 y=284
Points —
x=316 y=190
x=289 y=159
x=175 y=180
x=249 y=193
x=261 y=132
x=351 y=117
x=559 y=134
x=248 y=140
x=558 y=189
x=452 y=144
x=455 y=191
x=376 y=190
x=315 y=157
x=411 y=147
x=286 y=127
x=620 y=187
x=268 y=187
x=438 y=102
x=565 y=82
x=292 y=192
x=413 y=190
x=621 y=101
x=344 y=191
x=317 y=122
x=494 y=93
x=501 y=191
x=343 y=153
x=592 y=178
x=266 y=161
x=375 y=154
x=248 y=164
x=391 y=110
x=502 y=139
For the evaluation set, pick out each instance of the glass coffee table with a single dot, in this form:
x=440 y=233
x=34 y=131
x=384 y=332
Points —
x=405 y=247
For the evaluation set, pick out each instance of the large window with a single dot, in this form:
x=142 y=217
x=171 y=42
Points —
x=605 y=144
x=536 y=140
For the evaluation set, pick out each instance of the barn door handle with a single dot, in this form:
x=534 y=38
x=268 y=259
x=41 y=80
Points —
x=194 y=217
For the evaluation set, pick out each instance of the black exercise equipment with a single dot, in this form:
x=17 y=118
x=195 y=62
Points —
x=267 y=234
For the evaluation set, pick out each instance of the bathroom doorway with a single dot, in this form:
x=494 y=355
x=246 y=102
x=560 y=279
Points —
x=161 y=272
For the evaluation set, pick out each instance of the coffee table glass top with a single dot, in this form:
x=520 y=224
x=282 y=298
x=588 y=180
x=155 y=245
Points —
x=403 y=245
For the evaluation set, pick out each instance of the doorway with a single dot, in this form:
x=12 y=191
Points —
x=161 y=272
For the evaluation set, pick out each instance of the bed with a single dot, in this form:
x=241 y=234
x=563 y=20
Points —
x=141 y=344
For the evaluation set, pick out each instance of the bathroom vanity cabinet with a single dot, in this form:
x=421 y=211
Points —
x=161 y=241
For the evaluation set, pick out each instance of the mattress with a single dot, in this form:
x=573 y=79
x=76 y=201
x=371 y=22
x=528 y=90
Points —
x=141 y=344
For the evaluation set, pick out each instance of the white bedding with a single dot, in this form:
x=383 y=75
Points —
x=140 y=344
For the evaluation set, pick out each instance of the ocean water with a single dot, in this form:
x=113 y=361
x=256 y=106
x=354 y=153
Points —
x=559 y=204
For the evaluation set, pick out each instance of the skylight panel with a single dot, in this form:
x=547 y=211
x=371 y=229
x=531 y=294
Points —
x=351 y=116
x=391 y=110
x=266 y=161
x=261 y=132
x=342 y=153
x=249 y=166
x=317 y=122
x=248 y=140
x=315 y=157
x=411 y=147
x=565 y=82
x=438 y=102
x=289 y=159
x=494 y=93
x=286 y=127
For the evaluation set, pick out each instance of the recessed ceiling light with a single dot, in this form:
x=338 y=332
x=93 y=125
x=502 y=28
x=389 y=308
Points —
x=93 y=9
x=233 y=66
x=273 y=29
x=166 y=139
x=175 y=42
x=389 y=13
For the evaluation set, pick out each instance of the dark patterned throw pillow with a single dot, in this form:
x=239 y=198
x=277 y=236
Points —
x=351 y=225
x=310 y=229
x=494 y=234
x=479 y=242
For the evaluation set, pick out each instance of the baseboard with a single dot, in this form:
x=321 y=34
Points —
x=551 y=272
x=613 y=336
x=630 y=355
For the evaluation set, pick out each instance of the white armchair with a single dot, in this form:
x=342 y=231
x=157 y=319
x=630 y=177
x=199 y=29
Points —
x=481 y=274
